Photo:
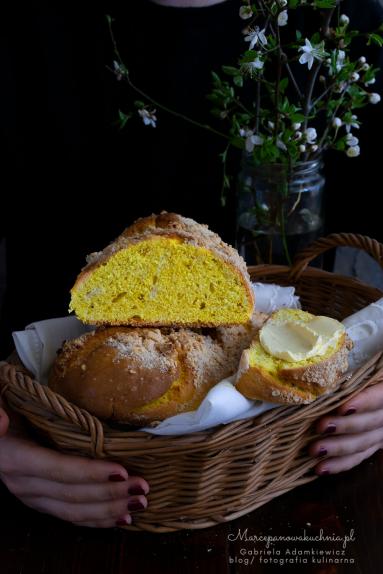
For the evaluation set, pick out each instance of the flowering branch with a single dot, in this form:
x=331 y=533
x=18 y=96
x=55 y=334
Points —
x=121 y=73
x=283 y=104
x=287 y=121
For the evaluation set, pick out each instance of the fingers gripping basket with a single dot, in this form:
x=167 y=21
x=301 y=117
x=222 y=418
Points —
x=201 y=479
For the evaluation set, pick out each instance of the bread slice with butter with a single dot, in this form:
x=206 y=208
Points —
x=295 y=358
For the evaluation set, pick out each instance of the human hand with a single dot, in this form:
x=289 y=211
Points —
x=351 y=434
x=4 y=422
x=82 y=491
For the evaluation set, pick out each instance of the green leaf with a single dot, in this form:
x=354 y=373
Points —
x=123 y=118
x=323 y=4
x=244 y=118
x=340 y=145
x=238 y=142
x=297 y=118
x=216 y=79
x=370 y=74
x=283 y=84
x=238 y=81
x=375 y=39
x=230 y=70
x=139 y=104
x=298 y=34
x=294 y=4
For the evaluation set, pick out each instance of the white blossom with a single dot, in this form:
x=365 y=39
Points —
x=302 y=148
x=256 y=35
x=310 y=53
x=374 y=98
x=271 y=125
x=252 y=139
x=311 y=135
x=148 y=117
x=283 y=18
x=119 y=70
x=355 y=77
x=257 y=63
x=314 y=148
x=337 y=122
x=296 y=126
x=344 y=19
x=353 y=151
x=370 y=82
x=362 y=60
x=245 y=12
x=280 y=144
x=282 y=3
x=340 y=57
x=253 y=67
x=351 y=140
x=298 y=135
x=351 y=123
x=365 y=67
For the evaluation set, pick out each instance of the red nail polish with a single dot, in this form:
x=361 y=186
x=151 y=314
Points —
x=330 y=429
x=136 y=490
x=350 y=411
x=322 y=452
x=135 y=505
x=115 y=477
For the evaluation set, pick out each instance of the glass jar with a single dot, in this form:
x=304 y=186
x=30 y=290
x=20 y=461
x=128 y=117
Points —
x=279 y=210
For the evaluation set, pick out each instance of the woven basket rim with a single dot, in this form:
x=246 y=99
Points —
x=207 y=438
x=221 y=473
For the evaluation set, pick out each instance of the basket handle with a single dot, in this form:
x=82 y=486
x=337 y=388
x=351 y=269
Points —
x=304 y=257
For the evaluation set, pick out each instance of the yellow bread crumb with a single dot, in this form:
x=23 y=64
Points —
x=162 y=281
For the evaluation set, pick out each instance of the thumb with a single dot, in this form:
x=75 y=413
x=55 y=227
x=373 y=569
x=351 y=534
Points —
x=4 y=422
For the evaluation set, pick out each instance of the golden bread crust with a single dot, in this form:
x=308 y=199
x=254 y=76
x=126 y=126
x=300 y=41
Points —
x=296 y=385
x=140 y=376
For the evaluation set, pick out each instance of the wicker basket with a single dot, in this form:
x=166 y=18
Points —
x=202 y=479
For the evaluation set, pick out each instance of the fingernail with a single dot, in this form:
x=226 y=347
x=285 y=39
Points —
x=350 y=411
x=124 y=521
x=324 y=472
x=136 y=490
x=116 y=477
x=322 y=452
x=330 y=429
x=135 y=505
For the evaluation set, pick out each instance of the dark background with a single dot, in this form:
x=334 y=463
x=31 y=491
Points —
x=71 y=181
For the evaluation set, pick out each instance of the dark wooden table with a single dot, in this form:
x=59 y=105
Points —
x=348 y=505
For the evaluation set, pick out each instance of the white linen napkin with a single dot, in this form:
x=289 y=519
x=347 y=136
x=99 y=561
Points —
x=270 y=297
x=365 y=328
x=38 y=344
x=223 y=404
